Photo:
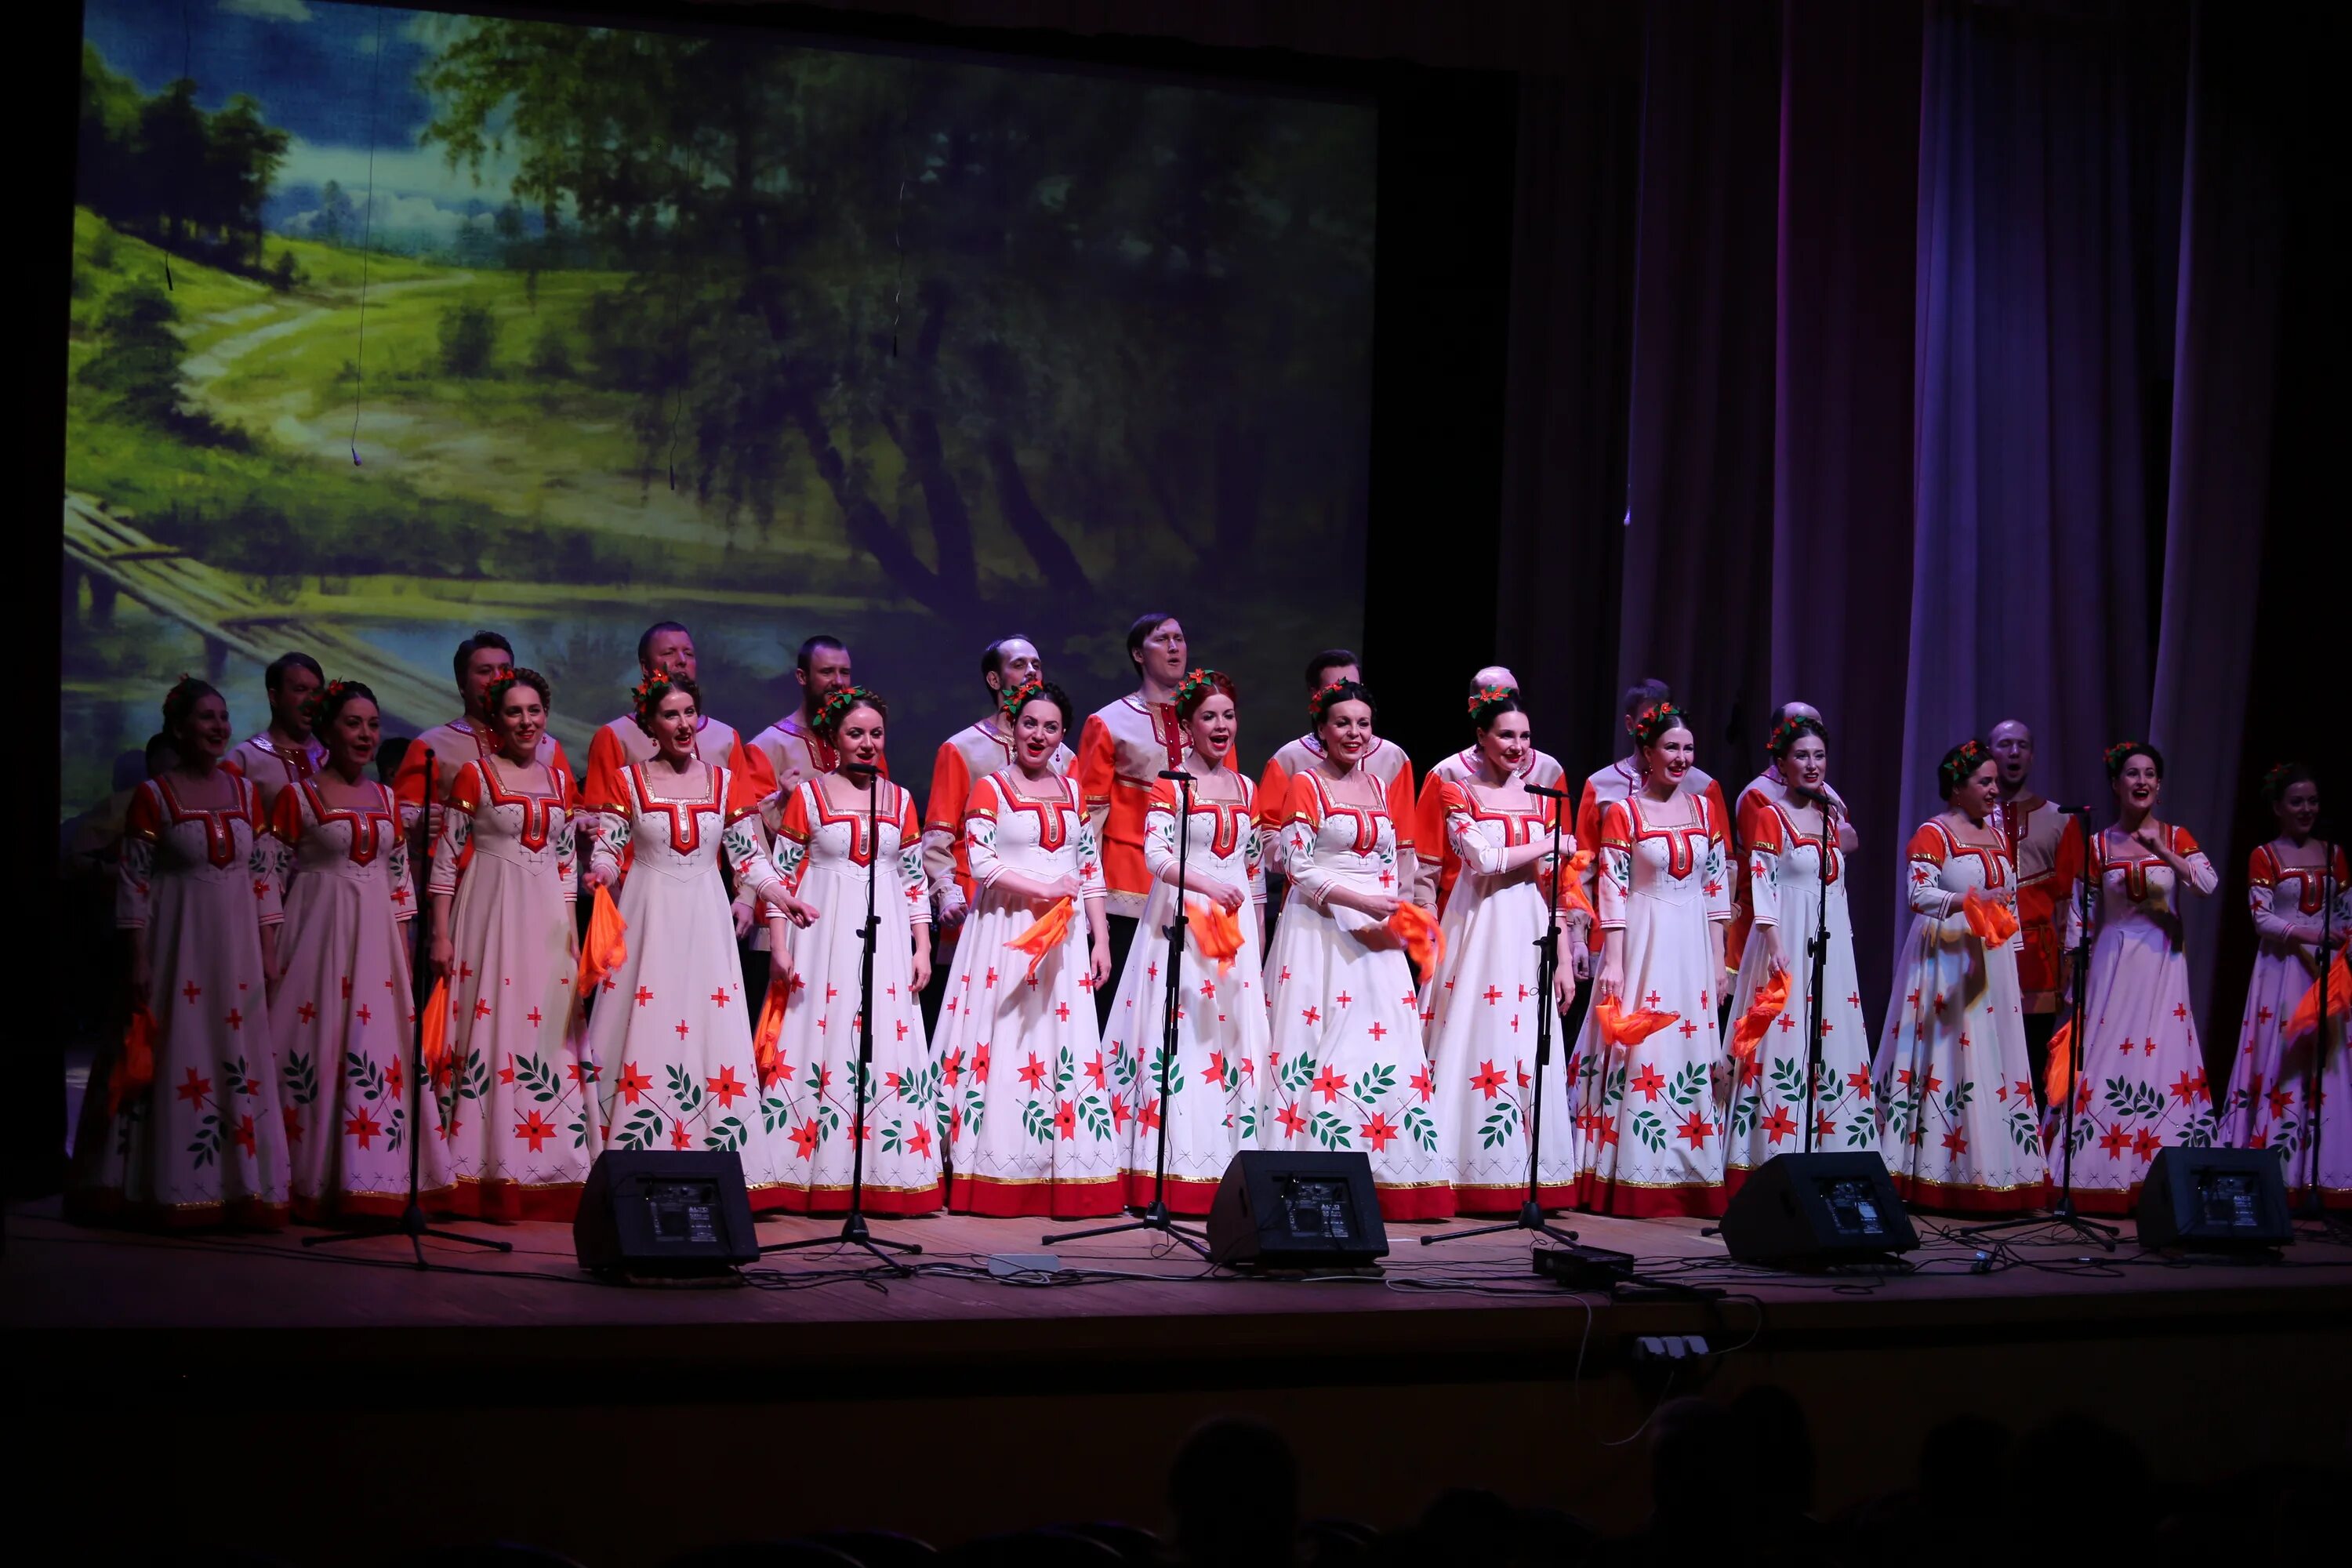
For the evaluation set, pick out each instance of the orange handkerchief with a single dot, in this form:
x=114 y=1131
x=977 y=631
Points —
x=434 y=1043
x=1424 y=943
x=1618 y=1030
x=2305 y=1017
x=607 y=947
x=134 y=1070
x=1567 y=885
x=1748 y=1033
x=1045 y=935
x=1988 y=918
x=2059 y=1076
x=1217 y=933
x=766 y=1059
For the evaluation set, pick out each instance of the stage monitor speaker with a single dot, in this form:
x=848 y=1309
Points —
x=1296 y=1211
x=664 y=1213
x=1815 y=1211
x=2215 y=1200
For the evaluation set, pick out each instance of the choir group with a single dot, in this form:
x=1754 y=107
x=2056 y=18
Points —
x=268 y=891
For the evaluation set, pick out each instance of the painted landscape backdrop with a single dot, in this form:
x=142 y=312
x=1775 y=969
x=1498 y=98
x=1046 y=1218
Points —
x=389 y=324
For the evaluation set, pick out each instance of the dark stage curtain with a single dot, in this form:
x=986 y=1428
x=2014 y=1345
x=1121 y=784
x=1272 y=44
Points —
x=1919 y=362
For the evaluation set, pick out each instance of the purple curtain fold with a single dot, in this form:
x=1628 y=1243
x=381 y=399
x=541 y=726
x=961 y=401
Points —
x=1693 y=595
x=2034 y=526
x=2231 y=240
x=1842 y=424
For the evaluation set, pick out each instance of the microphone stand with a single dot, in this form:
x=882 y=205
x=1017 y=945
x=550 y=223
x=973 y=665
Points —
x=1820 y=943
x=1532 y=1216
x=1155 y=1216
x=411 y=1222
x=2062 y=1215
x=854 y=1229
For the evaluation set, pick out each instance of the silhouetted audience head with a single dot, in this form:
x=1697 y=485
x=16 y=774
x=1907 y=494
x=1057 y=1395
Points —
x=1779 y=1444
x=1233 y=1493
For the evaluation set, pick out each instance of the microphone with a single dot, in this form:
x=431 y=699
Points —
x=1178 y=773
x=2071 y=810
x=858 y=770
x=1542 y=793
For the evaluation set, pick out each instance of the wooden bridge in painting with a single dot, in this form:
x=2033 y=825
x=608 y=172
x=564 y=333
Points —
x=118 y=560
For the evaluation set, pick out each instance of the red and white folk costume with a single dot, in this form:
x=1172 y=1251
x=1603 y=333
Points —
x=1619 y=781
x=1647 y=1139
x=270 y=767
x=453 y=746
x=2266 y=1108
x=1121 y=751
x=1383 y=761
x=1482 y=1006
x=1220 y=1028
x=670 y=1033
x=971 y=753
x=1767 y=788
x=1955 y=1095
x=2047 y=847
x=623 y=741
x=786 y=746
x=2143 y=1082
x=824 y=853
x=206 y=1143
x=518 y=1108
x=1437 y=867
x=1787 y=883
x=1021 y=1059
x=344 y=1019
x=1344 y=1070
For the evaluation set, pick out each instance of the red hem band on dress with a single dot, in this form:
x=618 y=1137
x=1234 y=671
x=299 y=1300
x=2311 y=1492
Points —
x=894 y=1201
x=1937 y=1196
x=2329 y=1197
x=1626 y=1201
x=328 y=1208
x=107 y=1206
x=2107 y=1199
x=1400 y=1204
x=506 y=1201
x=1184 y=1194
x=994 y=1198
x=1479 y=1199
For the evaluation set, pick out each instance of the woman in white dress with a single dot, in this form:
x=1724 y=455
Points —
x=518 y=1095
x=1789 y=880
x=2290 y=881
x=1211 y=1104
x=1344 y=1067
x=205 y=1143
x=1019 y=1054
x=1958 y=1128
x=1649 y=1140
x=670 y=1034
x=825 y=854
x=342 y=1013
x=1481 y=1003
x=2143 y=1082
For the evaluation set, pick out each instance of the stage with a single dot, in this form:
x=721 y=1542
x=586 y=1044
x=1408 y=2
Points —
x=622 y=1423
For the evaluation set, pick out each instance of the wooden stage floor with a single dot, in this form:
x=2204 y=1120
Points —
x=1456 y=1351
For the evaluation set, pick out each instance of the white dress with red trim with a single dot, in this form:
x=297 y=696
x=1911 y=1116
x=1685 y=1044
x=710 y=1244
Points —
x=823 y=853
x=2266 y=1107
x=2143 y=1083
x=1221 y=1031
x=972 y=753
x=1785 y=889
x=1436 y=867
x=1482 y=1006
x=1021 y=1059
x=1953 y=1079
x=1649 y=1134
x=206 y=1143
x=1344 y=1068
x=669 y=1031
x=518 y=1098
x=344 y=1019
x=453 y=746
x=1620 y=779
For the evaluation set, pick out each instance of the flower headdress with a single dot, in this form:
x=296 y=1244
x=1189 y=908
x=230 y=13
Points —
x=1010 y=701
x=1789 y=731
x=1198 y=687
x=2282 y=777
x=180 y=700
x=836 y=708
x=1486 y=699
x=1654 y=721
x=2123 y=752
x=1338 y=692
x=331 y=695
x=1960 y=762
x=646 y=695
